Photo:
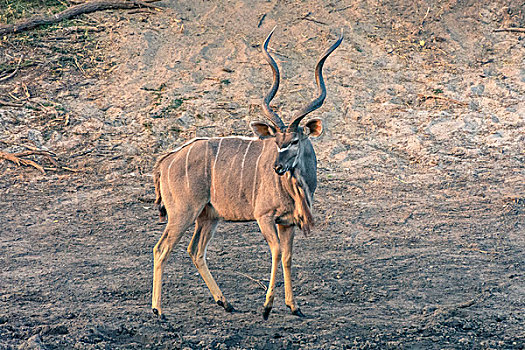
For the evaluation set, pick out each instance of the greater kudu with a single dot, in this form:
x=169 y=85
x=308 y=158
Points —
x=270 y=178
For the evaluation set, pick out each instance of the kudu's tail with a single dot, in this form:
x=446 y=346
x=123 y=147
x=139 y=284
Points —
x=163 y=214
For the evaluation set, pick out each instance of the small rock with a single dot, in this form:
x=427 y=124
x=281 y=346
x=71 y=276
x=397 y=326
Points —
x=55 y=137
x=129 y=149
x=490 y=72
x=36 y=137
x=478 y=89
x=33 y=343
x=414 y=146
x=467 y=326
x=153 y=86
x=396 y=101
x=57 y=330
x=463 y=341
x=44 y=329
x=470 y=124
x=113 y=176
x=458 y=151
x=186 y=119
x=473 y=105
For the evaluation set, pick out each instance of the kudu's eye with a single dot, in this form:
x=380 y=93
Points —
x=294 y=142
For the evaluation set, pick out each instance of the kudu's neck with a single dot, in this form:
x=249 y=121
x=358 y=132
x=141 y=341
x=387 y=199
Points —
x=307 y=166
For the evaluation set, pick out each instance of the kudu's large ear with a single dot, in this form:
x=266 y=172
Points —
x=263 y=130
x=314 y=127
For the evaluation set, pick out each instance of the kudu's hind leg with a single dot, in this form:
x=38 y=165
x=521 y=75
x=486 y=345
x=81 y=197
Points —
x=171 y=236
x=269 y=232
x=286 y=234
x=204 y=229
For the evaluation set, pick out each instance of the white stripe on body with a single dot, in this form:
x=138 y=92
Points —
x=255 y=174
x=181 y=147
x=169 y=168
x=246 y=138
x=206 y=160
x=242 y=166
x=213 y=168
x=234 y=158
x=277 y=183
x=187 y=156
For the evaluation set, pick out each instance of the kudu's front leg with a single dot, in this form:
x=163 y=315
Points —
x=286 y=234
x=269 y=231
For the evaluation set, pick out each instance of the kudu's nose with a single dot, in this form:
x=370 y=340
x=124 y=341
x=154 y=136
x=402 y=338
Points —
x=279 y=169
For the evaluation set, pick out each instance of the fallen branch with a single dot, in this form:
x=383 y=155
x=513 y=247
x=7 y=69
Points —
x=250 y=278
x=261 y=19
x=9 y=76
x=311 y=19
x=63 y=168
x=510 y=29
x=437 y=97
x=87 y=7
x=70 y=169
x=15 y=158
x=466 y=304
x=10 y=104
x=81 y=29
x=18 y=160
x=483 y=251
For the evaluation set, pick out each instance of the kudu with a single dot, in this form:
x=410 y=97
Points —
x=270 y=178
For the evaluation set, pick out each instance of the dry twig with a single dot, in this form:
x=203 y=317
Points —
x=18 y=160
x=9 y=76
x=10 y=104
x=510 y=29
x=261 y=19
x=251 y=279
x=308 y=17
x=437 y=97
x=15 y=158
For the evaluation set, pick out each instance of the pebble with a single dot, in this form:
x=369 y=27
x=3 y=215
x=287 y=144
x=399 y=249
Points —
x=33 y=343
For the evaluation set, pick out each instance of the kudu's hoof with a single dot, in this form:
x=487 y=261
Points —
x=266 y=312
x=297 y=312
x=226 y=305
x=158 y=314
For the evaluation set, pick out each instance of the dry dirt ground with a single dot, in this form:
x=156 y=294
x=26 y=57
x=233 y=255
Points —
x=420 y=236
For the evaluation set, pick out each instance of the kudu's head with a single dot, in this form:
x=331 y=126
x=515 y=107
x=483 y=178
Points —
x=291 y=140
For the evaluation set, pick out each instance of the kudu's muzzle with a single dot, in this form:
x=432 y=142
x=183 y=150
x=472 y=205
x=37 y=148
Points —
x=279 y=169
x=282 y=164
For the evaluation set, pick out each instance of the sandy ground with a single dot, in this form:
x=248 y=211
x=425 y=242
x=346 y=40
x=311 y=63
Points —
x=420 y=209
